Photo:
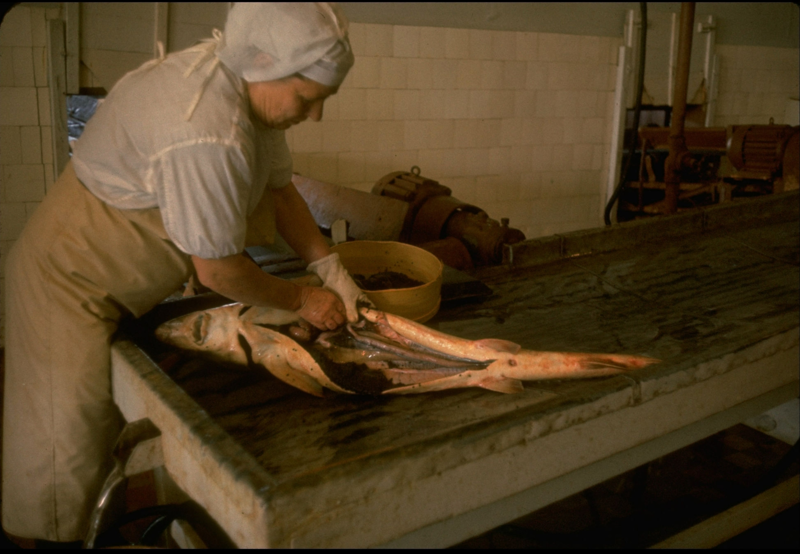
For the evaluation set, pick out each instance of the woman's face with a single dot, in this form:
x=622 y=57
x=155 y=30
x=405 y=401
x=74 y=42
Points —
x=288 y=101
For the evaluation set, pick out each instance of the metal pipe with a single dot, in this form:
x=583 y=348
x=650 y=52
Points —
x=677 y=141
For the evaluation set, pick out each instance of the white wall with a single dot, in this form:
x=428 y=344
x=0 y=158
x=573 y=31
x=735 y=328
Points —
x=517 y=122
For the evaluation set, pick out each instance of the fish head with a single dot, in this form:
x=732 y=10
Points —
x=215 y=331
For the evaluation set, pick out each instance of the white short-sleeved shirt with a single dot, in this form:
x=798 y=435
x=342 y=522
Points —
x=206 y=175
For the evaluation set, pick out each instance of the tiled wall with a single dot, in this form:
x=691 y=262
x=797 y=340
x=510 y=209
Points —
x=755 y=84
x=26 y=151
x=517 y=123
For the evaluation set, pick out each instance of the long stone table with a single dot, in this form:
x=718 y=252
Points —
x=713 y=293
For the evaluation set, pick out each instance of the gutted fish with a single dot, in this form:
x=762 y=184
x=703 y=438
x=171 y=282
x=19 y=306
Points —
x=380 y=354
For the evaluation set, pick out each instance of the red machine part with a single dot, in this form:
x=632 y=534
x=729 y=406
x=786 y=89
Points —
x=435 y=216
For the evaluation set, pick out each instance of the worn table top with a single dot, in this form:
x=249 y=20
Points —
x=718 y=303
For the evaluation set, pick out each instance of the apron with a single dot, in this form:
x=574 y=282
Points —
x=79 y=266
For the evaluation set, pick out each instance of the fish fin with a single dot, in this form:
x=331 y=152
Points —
x=499 y=345
x=273 y=351
x=507 y=386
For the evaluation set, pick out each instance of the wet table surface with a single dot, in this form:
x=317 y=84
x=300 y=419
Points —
x=720 y=309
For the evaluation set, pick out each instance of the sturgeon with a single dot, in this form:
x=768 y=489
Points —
x=380 y=354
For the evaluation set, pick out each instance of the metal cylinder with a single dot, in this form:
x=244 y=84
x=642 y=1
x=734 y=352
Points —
x=677 y=142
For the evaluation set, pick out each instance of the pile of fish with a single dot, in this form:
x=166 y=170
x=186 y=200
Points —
x=380 y=354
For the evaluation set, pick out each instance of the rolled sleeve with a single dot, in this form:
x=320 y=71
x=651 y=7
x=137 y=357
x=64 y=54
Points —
x=203 y=190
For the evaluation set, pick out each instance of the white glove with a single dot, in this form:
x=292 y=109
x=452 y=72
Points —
x=335 y=277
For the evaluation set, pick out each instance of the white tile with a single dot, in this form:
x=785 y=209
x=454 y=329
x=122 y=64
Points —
x=394 y=73
x=16 y=28
x=480 y=44
x=542 y=157
x=457 y=43
x=19 y=106
x=323 y=167
x=420 y=74
x=476 y=161
x=527 y=46
x=524 y=103
x=599 y=157
x=491 y=75
x=441 y=134
x=549 y=47
x=350 y=167
x=589 y=49
x=404 y=160
x=351 y=104
x=530 y=185
x=587 y=103
x=755 y=102
x=504 y=45
x=330 y=109
x=31 y=144
x=22 y=58
x=6 y=66
x=594 y=130
x=366 y=72
x=463 y=187
x=491 y=104
x=379 y=40
x=406 y=104
x=431 y=104
x=434 y=163
x=573 y=130
x=335 y=135
x=391 y=135
x=415 y=134
x=486 y=190
x=520 y=161
x=511 y=131
x=38 y=27
x=109 y=66
x=552 y=130
x=488 y=133
x=567 y=103
x=40 y=66
x=406 y=41
x=13 y=217
x=499 y=159
x=445 y=74
x=307 y=138
x=432 y=42
x=127 y=34
x=562 y=156
x=357 y=34
x=515 y=75
x=10 y=146
x=365 y=136
x=537 y=78
x=380 y=104
x=456 y=104
x=582 y=156
x=465 y=133
x=508 y=190
x=468 y=74
x=532 y=130
x=23 y=183
x=48 y=177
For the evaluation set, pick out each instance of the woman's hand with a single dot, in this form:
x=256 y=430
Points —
x=321 y=308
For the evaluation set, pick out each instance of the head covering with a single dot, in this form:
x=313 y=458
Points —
x=266 y=41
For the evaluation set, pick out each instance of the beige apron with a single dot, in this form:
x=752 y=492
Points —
x=78 y=267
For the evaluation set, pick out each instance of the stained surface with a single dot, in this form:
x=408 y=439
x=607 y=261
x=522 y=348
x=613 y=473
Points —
x=682 y=301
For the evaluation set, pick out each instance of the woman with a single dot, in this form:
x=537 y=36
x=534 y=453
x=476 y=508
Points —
x=183 y=165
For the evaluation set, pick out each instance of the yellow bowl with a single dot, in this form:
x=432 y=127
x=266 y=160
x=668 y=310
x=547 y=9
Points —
x=366 y=257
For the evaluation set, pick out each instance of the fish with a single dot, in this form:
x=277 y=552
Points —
x=380 y=354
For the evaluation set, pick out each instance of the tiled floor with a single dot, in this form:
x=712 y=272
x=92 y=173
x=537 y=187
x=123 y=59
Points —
x=636 y=509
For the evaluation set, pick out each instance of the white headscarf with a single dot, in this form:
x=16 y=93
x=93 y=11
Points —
x=265 y=41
